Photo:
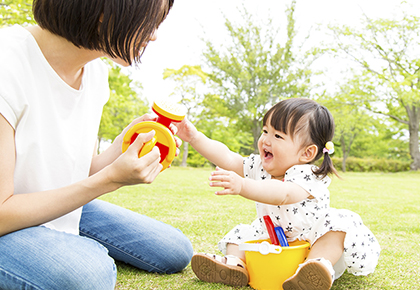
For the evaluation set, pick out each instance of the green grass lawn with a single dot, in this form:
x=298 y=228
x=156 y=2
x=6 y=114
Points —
x=389 y=204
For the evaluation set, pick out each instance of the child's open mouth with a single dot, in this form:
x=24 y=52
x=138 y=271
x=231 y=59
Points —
x=268 y=154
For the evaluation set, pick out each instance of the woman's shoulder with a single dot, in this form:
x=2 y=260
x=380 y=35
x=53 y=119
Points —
x=16 y=43
x=12 y=37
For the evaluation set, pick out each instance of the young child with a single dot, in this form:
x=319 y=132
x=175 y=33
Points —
x=293 y=192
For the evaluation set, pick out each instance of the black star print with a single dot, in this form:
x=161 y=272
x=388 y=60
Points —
x=289 y=229
x=303 y=203
x=307 y=177
x=263 y=177
x=295 y=210
x=251 y=166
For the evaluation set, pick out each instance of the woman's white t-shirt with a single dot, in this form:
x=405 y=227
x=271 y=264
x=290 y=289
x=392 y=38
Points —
x=55 y=125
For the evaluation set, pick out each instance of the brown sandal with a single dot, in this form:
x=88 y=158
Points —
x=212 y=269
x=311 y=275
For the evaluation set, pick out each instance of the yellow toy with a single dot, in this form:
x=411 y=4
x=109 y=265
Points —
x=164 y=139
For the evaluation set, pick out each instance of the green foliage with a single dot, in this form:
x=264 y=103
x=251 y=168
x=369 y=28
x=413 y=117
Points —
x=123 y=106
x=254 y=71
x=355 y=164
x=389 y=83
x=190 y=81
x=16 y=12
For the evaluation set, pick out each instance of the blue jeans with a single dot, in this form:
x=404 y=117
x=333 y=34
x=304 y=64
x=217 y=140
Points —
x=41 y=258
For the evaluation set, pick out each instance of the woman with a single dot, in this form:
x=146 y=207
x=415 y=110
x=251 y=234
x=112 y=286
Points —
x=54 y=234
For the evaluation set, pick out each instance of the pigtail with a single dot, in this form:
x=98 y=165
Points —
x=326 y=168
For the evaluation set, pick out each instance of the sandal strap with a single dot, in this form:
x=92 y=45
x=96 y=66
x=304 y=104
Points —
x=231 y=260
x=234 y=261
x=216 y=257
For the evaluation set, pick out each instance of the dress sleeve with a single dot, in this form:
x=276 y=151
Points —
x=249 y=166
x=304 y=177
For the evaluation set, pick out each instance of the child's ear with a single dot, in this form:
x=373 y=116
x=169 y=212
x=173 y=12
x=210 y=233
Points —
x=309 y=153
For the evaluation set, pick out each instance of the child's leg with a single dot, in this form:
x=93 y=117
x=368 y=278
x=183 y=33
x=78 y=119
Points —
x=233 y=249
x=330 y=247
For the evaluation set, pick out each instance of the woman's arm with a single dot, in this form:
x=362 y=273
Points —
x=214 y=151
x=274 y=192
x=18 y=211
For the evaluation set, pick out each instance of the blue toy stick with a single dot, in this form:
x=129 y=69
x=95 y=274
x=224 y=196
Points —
x=281 y=236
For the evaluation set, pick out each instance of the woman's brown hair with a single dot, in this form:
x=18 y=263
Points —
x=116 y=27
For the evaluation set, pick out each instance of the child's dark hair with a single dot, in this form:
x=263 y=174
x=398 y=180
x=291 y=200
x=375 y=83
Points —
x=116 y=27
x=312 y=122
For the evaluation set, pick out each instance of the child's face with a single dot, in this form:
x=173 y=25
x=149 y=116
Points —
x=278 y=151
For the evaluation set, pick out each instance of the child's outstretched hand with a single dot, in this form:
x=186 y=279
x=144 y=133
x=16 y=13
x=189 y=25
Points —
x=186 y=130
x=229 y=180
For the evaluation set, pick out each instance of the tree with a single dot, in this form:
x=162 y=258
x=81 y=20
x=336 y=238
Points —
x=16 y=12
x=188 y=78
x=123 y=106
x=254 y=72
x=388 y=54
x=350 y=121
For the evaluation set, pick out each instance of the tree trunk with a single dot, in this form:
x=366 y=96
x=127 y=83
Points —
x=345 y=154
x=413 y=129
x=256 y=133
x=185 y=155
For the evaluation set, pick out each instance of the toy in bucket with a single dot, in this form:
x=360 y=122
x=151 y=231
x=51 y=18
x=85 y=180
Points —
x=167 y=112
x=269 y=265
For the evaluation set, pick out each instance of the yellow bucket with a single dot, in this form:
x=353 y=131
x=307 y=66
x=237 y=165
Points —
x=269 y=266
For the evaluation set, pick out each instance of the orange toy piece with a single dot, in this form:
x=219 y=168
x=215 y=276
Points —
x=164 y=139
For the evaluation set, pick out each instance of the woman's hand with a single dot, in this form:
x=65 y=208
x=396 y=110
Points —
x=129 y=169
x=229 y=180
x=146 y=117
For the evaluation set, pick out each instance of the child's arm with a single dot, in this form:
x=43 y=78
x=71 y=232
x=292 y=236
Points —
x=214 y=151
x=274 y=192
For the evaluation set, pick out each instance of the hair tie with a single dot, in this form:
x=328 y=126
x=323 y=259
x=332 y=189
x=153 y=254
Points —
x=329 y=148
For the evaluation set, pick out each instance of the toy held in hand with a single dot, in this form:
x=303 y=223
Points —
x=164 y=139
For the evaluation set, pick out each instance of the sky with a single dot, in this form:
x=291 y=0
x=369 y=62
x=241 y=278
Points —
x=180 y=36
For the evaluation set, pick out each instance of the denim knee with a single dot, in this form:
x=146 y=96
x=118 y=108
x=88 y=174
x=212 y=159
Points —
x=91 y=272
x=182 y=252
x=40 y=258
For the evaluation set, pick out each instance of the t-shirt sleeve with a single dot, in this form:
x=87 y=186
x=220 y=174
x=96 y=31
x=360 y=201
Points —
x=304 y=177
x=7 y=111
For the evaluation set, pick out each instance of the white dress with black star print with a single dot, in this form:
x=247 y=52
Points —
x=309 y=219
